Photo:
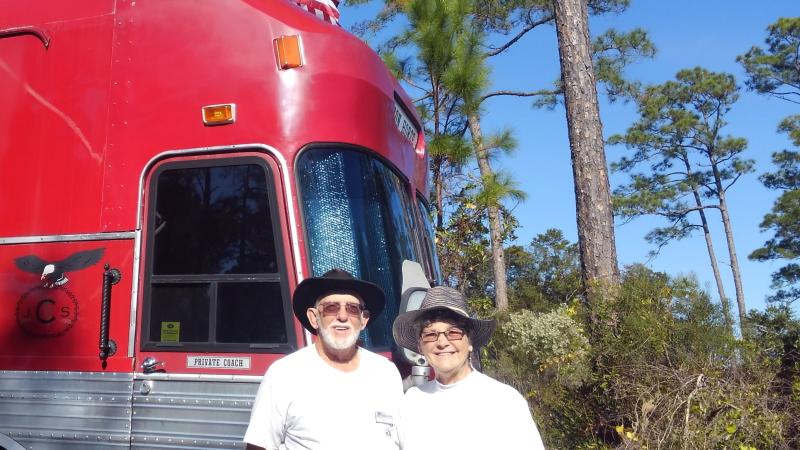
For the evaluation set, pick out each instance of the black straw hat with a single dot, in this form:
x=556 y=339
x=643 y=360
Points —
x=406 y=326
x=331 y=282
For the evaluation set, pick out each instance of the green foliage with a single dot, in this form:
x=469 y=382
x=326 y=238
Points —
x=463 y=243
x=435 y=30
x=390 y=10
x=613 y=51
x=463 y=246
x=544 y=274
x=454 y=147
x=674 y=377
x=550 y=341
x=669 y=375
x=776 y=70
x=507 y=16
x=545 y=356
x=679 y=140
x=664 y=319
x=468 y=75
x=784 y=222
x=497 y=187
x=791 y=126
x=503 y=141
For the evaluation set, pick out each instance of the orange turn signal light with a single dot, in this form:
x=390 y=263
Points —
x=289 y=52
x=219 y=114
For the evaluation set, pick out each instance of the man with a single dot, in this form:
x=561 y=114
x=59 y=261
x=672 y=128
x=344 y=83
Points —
x=330 y=395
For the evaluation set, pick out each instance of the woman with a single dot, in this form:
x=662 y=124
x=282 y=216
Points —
x=461 y=408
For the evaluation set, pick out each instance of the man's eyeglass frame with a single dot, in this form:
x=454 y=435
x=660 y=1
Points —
x=333 y=308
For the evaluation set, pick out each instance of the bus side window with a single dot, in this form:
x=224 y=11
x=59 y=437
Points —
x=215 y=277
x=429 y=238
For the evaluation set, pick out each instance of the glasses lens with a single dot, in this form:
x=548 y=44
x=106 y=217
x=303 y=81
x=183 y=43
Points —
x=332 y=309
x=454 y=334
x=430 y=336
x=353 y=309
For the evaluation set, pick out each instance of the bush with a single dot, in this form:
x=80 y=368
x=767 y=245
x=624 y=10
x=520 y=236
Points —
x=545 y=356
x=668 y=375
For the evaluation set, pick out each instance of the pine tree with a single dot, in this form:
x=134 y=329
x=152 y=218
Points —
x=691 y=164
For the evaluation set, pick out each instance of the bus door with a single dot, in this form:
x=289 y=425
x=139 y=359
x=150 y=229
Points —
x=214 y=307
x=66 y=296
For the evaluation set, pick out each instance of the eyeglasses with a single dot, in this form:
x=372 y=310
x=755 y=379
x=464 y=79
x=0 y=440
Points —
x=451 y=334
x=352 y=309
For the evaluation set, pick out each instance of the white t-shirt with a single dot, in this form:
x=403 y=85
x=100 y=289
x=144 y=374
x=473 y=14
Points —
x=304 y=403
x=477 y=412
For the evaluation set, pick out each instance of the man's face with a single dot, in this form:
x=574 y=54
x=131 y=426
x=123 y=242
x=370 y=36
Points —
x=447 y=348
x=338 y=318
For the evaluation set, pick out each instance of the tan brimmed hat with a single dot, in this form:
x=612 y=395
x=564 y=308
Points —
x=406 y=326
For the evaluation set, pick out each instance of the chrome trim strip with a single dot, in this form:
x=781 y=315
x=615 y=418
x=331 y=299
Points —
x=197 y=377
x=137 y=255
x=287 y=187
x=68 y=237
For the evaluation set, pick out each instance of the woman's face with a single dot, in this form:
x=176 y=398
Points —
x=446 y=347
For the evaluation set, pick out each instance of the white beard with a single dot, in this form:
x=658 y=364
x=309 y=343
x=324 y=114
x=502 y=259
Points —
x=344 y=343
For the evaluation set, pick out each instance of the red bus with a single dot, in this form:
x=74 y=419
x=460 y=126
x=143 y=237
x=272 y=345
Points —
x=169 y=171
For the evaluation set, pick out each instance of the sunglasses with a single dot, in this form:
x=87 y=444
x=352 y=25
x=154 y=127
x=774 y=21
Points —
x=352 y=309
x=451 y=334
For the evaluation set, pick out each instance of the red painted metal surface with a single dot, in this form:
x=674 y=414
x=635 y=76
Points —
x=222 y=52
x=52 y=126
x=58 y=327
x=122 y=81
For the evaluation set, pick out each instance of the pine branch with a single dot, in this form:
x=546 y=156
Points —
x=519 y=35
x=542 y=92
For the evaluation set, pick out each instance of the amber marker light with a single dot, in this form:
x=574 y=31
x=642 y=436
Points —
x=288 y=50
x=219 y=114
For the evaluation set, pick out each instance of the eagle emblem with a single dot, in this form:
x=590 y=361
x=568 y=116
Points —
x=54 y=273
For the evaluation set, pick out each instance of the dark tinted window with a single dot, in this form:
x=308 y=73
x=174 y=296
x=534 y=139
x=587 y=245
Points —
x=241 y=309
x=215 y=281
x=213 y=220
x=181 y=311
x=356 y=218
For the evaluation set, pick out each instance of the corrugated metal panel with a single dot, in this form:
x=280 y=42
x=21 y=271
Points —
x=191 y=414
x=66 y=410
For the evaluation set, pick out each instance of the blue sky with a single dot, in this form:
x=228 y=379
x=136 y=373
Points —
x=706 y=33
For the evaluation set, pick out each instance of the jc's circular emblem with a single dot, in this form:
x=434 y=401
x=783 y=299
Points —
x=47 y=312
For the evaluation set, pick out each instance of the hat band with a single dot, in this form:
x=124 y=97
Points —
x=423 y=310
x=459 y=310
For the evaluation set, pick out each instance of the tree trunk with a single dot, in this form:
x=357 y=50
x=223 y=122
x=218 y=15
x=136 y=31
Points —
x=723 y=299
x=437 y=188
x=592 y=191
x=712 y=255
x=495 y=228
x=737 y=276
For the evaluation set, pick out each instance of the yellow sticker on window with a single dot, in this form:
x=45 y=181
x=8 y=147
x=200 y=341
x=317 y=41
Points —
x=170 y=331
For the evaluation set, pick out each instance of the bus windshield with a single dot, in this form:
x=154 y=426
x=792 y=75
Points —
x=358 y=216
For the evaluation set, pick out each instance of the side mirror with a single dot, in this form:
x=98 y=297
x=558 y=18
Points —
x=415 y=285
